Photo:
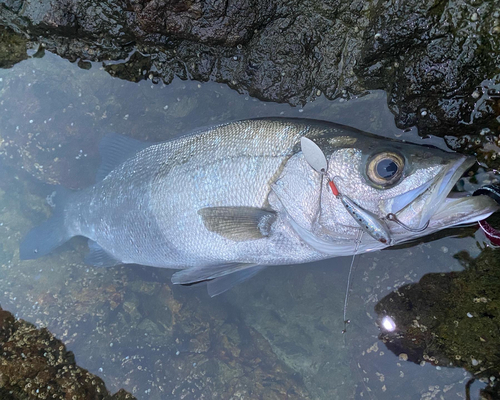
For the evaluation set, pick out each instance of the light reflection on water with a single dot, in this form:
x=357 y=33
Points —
x=281 y=331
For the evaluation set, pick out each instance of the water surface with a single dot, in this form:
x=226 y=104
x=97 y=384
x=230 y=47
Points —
x=276 y=336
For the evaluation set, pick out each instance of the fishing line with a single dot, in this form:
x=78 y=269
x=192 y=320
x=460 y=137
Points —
x=346 y=299
x=368 y=221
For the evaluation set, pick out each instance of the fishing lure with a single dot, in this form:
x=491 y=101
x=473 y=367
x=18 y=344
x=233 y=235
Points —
x=368 y=221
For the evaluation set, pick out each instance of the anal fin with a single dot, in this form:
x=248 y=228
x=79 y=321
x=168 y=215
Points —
x=98 y=257
x=224 y=283
x=220 y=277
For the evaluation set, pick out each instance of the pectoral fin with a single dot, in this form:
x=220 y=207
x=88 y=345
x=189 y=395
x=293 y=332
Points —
x=238 y=223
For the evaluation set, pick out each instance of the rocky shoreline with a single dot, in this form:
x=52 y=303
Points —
x=439 y=61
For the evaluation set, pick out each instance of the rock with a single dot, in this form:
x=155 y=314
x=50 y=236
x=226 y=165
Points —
x=149 y=327
x=438 y=62
x=434 y=60
x=449 y=319
x=12 y=48
x=201 y=21
x=34 y=364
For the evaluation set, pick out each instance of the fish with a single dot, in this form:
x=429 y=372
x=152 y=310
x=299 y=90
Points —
x=222 y=203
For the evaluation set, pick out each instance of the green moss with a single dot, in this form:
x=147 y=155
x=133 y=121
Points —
x=12 y=47
x=450 y=319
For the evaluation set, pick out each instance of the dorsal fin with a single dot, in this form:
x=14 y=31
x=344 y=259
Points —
x=114 y=150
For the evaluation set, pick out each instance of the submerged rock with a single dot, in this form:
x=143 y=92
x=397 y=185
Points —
x=36 y=365
x=439 y=61
x=12 y=48
x=449 y=320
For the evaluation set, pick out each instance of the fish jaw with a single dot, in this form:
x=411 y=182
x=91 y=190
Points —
x=440 y=210
x=420 y=210
x=451 y=213
x=462 y=211
x=444 y=185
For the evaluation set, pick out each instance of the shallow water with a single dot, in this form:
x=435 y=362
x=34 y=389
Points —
x=275 y=336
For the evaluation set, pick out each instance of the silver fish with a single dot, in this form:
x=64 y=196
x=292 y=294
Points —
x=222 y=203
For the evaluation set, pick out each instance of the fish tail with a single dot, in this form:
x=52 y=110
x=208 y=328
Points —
x=52 y=233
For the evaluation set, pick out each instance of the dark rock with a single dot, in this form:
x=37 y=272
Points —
x=12 y=48
x=34 y=364
x=449 y=320
x=439 y=61
x=434 y=57
x=214 y=22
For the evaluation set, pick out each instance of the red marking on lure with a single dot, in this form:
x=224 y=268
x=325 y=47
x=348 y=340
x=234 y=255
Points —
x=335 y=191
x=491 y=233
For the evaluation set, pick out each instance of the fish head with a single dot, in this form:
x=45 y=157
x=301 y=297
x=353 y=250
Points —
x=383 y=177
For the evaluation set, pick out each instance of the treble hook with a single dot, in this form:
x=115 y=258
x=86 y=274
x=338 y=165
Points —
x=392 y=217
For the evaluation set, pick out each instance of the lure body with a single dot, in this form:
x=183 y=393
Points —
x=368 y=221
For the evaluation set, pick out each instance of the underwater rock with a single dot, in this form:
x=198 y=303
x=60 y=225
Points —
x=308 y=342
x=439 y=62
x=12 y=48
x=34 y=364
x=449 y=319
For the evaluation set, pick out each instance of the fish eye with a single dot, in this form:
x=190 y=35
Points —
x=385 y=169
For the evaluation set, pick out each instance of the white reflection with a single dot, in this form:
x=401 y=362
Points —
x=388 y=324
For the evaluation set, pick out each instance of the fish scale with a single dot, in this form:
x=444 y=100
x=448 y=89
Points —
x=238 y=172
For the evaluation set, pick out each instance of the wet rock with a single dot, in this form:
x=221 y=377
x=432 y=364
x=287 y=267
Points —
x=449 y=319
x=149 y=327
x=35 y=364
x=434 y=59
x=201 y=21
x=12 y=48
x=130 y=310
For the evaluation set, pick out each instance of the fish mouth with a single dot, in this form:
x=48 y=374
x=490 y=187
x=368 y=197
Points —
x=431 y=204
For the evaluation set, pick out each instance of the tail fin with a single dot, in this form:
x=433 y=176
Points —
x=44 y=238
